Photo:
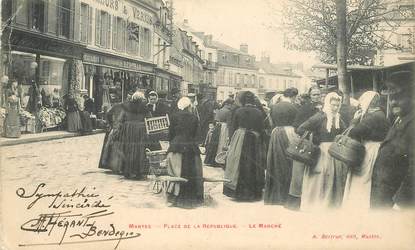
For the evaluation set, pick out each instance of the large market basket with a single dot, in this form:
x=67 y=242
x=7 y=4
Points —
x=157 y=162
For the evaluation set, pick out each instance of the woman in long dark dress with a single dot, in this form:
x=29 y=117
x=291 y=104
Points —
x=130 y=138
x=245 y=163
x=110 y=156
x=12 y=119
x=279 y=166
x=184 y=157
x=72 y=114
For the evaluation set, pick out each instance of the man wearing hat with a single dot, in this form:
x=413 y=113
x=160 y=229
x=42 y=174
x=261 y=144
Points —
x=175 y=96
x=393 y=172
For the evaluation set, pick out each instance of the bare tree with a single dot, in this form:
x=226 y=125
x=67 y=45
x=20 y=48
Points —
x=310 y=25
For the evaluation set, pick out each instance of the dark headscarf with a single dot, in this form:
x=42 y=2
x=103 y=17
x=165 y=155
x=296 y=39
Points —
x=247 y=97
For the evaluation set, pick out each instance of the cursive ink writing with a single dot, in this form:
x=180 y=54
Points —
x=86 y=223
x=71 y=217
x=64 y=200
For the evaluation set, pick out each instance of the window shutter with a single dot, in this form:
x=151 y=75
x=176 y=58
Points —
x=52 y=18
x=109 y=30
x=90 y=13
x=97 y=27
x=142 y=46
x=114 y=33
x=124 y=34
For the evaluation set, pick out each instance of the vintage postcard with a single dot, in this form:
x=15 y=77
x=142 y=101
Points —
x=207 y=124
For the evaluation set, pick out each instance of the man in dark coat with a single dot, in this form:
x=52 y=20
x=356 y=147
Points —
x=89 y=104
x=175 y=96
x=205 y=108
x=284 y=112
x=309 y=108
x=393 y=173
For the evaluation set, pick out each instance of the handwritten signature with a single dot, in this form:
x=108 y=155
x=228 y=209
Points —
x=74 y=227
x=64 y=200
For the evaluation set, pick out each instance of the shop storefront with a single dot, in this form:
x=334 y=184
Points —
x=165 y=82
x=110 y=79
x=43 y=69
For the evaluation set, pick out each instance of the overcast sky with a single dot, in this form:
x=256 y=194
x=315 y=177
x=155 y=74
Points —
x=235 y=21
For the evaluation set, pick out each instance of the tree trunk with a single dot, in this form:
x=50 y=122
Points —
x=341 y=49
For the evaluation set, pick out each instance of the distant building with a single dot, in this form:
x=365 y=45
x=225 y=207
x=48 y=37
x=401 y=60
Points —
x=208 y=54
x=277 y=77
x=236 y=70
x=402 y=37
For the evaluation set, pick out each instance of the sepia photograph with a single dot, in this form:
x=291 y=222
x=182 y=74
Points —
x=207 y=124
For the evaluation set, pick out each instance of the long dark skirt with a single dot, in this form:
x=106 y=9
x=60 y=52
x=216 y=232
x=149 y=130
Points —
x=12 y=123
x=74 y=121
x=130 y=139
x=111 y=156
x=191 y=193
x=251 y=170
x=86 y=121
x=278 y=176
x=212 y=146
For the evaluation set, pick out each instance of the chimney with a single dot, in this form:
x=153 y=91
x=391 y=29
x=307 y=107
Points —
x=185 y=22
x=244 y=48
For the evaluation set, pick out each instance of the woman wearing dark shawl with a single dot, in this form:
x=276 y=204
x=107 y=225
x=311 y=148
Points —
x=131 y=139
x=279 y=166
x=183 y=158
x=110 y=155
x=245 y=163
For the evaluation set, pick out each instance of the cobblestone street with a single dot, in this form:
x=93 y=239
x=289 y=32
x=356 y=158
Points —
x=74 y=162
x=70 y=164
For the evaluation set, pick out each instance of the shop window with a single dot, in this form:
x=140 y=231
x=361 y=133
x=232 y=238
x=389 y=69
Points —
x=64 y=17
x=51 y=69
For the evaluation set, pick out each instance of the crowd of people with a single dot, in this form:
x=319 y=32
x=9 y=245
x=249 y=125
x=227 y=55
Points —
x=250 y=138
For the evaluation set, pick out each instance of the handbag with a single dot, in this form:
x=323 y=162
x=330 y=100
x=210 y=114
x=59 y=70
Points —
x=348 y=150
x=304 y=150
x=221 y=157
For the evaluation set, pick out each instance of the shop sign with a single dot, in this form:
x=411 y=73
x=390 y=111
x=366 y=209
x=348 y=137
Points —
x=25 y=41
x=115 y=62
x=142 y=16
x=124 y=9
x=112 y=4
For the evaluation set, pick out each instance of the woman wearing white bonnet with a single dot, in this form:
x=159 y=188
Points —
x=370 y=127
x=323 y=184
x=183 y=158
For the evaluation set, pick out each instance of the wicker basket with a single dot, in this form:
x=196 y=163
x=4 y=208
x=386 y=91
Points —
x=157 y=162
